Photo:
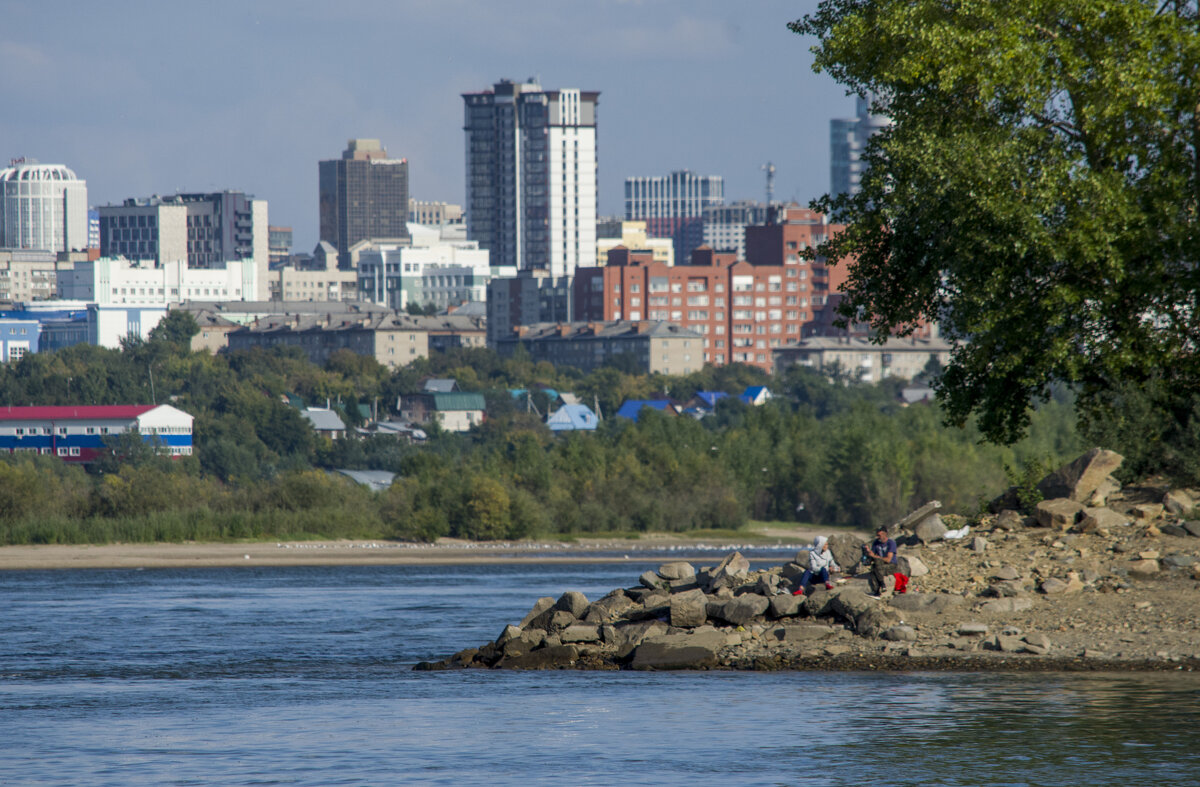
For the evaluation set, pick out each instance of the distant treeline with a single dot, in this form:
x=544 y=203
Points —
x=820 y=451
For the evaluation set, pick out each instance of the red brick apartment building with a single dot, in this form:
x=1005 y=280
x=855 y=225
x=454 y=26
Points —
x=742 y=308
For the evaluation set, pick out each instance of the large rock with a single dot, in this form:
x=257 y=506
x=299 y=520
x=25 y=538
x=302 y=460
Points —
x=846 y=549
x=1053 y=586
x=785 y=606
x=932 y=603
x=1108 y=487
x=911 y=566
x=651 y=580
x=802 y=560
x=549 y=657
x=1100 y=519
x=627 y=636
x=1178 y=502
x=1192 y=527
x=676 y=570
x=739 y=610
x=901 y=633
x=930 y=529
x=524 y=643
x=541 y=605
x=1059 y=513
x=608 y=609
x=1005 y=606
x=580 y=632
x=730 y=572
x=697 y=650
x=689 y=609
x=849 y=604
x=1078 y=480
x=574 y=602
x=915 y=518
x=767 y=585
x=875 y=620
x=1144 y=568
x=553 y=621
x=803 y=633
x=1009 y=520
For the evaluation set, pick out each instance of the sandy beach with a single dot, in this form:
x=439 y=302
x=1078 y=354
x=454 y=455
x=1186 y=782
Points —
x=330 y=553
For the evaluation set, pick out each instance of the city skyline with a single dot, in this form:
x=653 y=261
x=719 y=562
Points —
x=143 y=99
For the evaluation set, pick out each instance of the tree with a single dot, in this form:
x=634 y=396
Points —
x=1036 y=195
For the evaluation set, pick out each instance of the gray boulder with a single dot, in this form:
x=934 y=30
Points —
x=697 y=650
x=785 y=606
x=901 y=633
x=1079 y=479
x=979 y=544
x=931 y=603
x=1179 y=560
x=689 y=609
x=574 y=602
x=552 y=621
x=1100 y=519
x=1178 y=502
x=652 y=581
x=1009 y=520
x=676 y=570
x=1059 y=513
x=911 y=565
x=973 y=628
x=915 y=518
x=801 y=560
x=1144 y=568
x=580 y=632
x=608 y=609
x=850 y=604
x=876 y=620
x=803 y=633
x=767 y=585
x=1006 y=573
x=1192 y=527
x=846 y=549
x=740 y=610
x=627 y=636
x=541 y=605
x=793 y=570
x=1003 y=606
x=930 y=529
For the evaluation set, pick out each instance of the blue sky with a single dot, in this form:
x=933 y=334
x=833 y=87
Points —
x=145 y=98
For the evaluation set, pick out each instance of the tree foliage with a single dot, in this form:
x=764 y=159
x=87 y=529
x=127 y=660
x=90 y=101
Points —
x=1036 y=194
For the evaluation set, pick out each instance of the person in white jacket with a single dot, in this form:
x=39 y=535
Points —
x=820 y=563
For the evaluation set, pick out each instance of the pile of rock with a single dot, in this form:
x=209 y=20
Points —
x=1013 y=589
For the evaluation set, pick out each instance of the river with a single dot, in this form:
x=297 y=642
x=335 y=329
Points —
x=302 y=676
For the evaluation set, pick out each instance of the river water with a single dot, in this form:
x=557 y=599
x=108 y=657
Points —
x=302 y=676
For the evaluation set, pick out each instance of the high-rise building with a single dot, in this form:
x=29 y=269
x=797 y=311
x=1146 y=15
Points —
x=673 y=206
x=725 y=225
x=847 y=141
x=42 y=206
x=363 y=196
x=205 y=230
x=531 y=175
x=279 y=245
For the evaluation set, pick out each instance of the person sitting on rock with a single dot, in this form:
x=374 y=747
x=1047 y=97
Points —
x=820 y=563
x=882 y=554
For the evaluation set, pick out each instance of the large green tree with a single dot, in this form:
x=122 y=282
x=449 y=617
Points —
x=1036 y=193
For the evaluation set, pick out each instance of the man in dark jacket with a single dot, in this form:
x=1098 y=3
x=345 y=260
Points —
x=882 y=553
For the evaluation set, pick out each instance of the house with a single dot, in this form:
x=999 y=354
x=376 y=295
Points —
x=401 y=430
x=454 y=412
x=916 y=392
x=325 y=422
x=703 y=403
x=632 y=408
x=573 y=418
x=756 y=395
x=865 y=361
x=77 y=434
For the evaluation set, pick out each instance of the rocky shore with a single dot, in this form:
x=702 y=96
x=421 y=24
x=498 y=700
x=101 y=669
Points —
x=1098 y=578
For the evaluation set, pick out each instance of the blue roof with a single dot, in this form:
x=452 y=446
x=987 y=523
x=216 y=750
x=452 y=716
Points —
x=711 y=397
x=633 y=407
x=572 y=417
x=753 y=392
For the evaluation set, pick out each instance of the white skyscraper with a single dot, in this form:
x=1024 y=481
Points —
x=531 y=175
x=42 y=206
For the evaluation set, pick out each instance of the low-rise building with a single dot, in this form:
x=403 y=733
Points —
x=454 y=412
x=290 y=283
x=77 y=433
x=652 y=347
x=532 y=297
x=903 y=358
x=632 y=235
x=121 y=282
x=325 y=422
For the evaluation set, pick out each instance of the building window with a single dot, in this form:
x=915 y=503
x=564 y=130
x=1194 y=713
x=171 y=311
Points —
x=74 y=450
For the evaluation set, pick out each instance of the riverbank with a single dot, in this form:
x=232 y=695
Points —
x=442 y=552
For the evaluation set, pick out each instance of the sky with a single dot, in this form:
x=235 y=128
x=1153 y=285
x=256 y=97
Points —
x=142 y=98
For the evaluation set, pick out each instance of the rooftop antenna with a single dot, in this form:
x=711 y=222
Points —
x=769 y=168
